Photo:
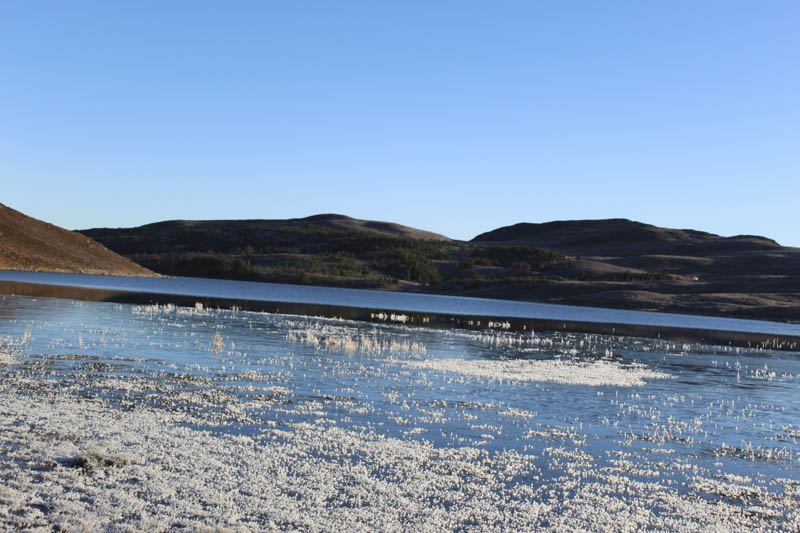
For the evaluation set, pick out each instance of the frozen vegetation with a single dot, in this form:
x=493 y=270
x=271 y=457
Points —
x=591 y=374
x=157 y=418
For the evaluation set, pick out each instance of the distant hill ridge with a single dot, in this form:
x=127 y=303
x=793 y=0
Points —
x=329 y=220
x=30 y=244
x=581 y=237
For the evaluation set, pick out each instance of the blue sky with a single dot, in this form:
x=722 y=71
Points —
x=452 y=116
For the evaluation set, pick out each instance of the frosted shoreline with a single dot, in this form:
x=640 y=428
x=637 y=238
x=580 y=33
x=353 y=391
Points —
x=128 y=418
x=167 y=474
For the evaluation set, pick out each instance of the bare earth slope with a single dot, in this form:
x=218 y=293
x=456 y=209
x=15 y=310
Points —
x=30 y=244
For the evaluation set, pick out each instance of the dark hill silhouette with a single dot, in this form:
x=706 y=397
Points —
x=30 y=244
x=619 y=236
x=176 y=236
x=330 y=221
x=321 y=249
x=700 y=272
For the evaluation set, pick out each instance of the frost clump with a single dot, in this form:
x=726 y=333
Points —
x=593 y=374
x=6 y=356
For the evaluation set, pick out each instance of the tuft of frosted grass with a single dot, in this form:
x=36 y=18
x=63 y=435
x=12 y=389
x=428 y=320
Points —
x=6 y=356
x=753 y=453
x=216 y=343
x=329 y=337
x=392 y=317
x=10 y=347
x=593 y=374
x=154 y=310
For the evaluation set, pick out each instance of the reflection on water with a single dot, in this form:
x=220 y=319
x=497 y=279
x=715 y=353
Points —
x=274 y=420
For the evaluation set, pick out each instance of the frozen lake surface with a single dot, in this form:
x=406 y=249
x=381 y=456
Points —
x=152 y=417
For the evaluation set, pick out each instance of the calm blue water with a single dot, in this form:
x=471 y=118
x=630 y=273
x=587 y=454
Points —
x=395 y=301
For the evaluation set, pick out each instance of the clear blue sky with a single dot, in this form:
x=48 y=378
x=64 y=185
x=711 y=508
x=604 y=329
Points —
x=451 y=116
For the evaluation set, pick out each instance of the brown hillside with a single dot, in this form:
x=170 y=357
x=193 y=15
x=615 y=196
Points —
x=30 y=244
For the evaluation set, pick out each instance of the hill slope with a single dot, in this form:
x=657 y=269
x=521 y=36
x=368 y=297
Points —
x=30 y=244
x=324 y=249
x=177 y=236
x=699 y=272
x=619 y=236
x=614 y=263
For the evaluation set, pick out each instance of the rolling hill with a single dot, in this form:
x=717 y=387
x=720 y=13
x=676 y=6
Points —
x=322 y=249
x=614 y=263
x=744 y=275
x=620 y=236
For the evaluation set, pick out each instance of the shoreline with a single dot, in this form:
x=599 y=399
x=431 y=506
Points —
x=436 y=320
x=599 y=295
x=88 y=272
